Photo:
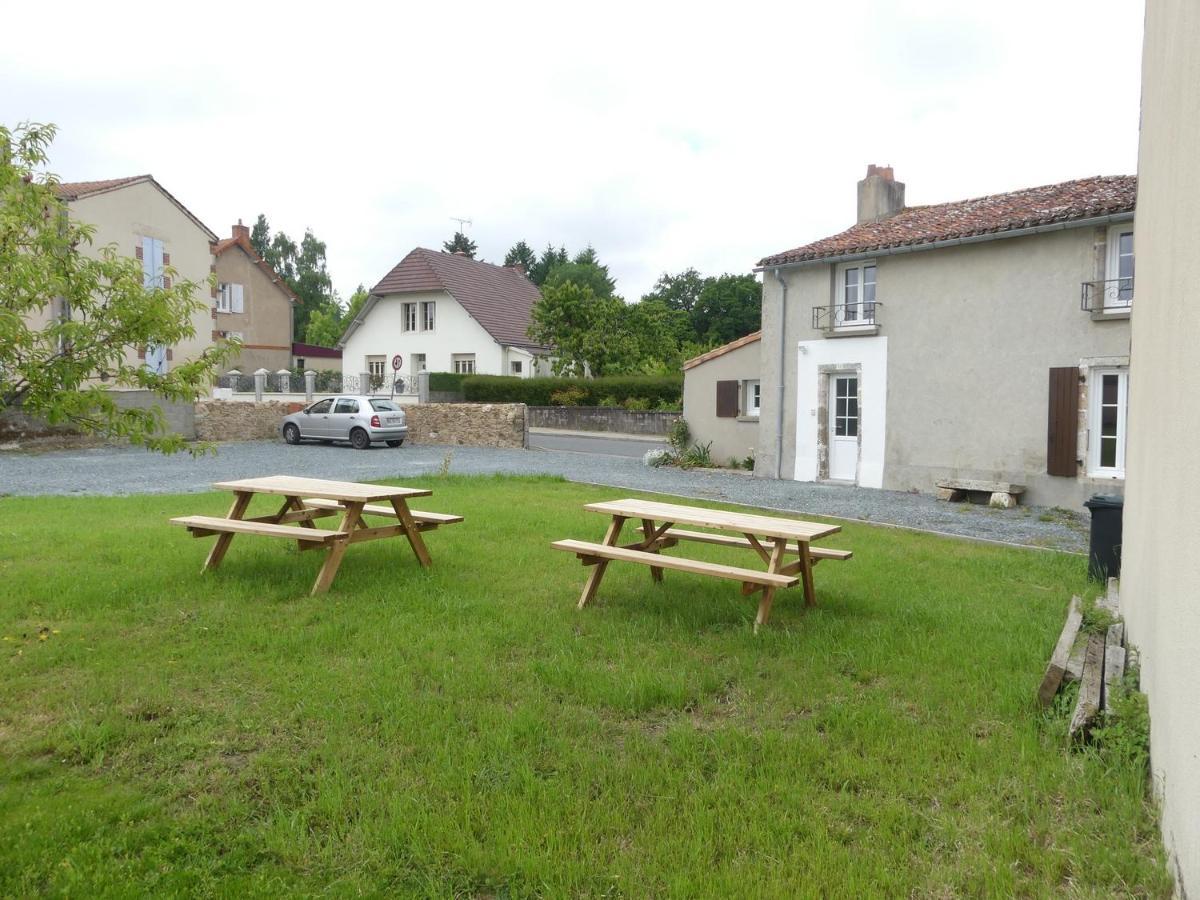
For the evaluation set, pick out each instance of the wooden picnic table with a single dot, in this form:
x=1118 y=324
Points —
x=306 y=499
x=772 y=538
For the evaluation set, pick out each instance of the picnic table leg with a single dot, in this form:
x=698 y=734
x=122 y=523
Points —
x=412 y=532
x=806 y=567
x=768 y=597
x=593 y=582
x=241 y=500
x=295 y=503
x=656 y=572
x=338 y=548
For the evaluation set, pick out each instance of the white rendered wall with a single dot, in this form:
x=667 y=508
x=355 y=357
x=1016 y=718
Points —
x=868 y=355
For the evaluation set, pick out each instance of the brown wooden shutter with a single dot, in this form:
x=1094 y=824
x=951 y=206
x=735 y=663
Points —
x=1063 y=424
x=727 y=399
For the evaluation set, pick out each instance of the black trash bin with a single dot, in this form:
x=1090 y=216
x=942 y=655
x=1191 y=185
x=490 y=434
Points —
x=1104 y=555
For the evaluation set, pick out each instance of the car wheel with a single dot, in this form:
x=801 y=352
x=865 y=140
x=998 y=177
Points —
x=359 y=439
x=398 y=443
x=291 y=433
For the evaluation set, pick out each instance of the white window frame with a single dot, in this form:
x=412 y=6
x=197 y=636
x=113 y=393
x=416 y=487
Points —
x=516 y=367
x=752 y=398
x=463 y=363
x=409 y=317
x=230 y=297
x=428 y=314
x=376 y=366
x=851 y=314
x=1095 y=401
x=419 y=363
x=1112 y=270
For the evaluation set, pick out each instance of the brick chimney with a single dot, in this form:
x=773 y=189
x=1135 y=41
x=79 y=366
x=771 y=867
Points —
x=880 y=195
x=518 y=268
x=240 y=231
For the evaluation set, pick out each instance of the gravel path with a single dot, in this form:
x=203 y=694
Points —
x=110 y=470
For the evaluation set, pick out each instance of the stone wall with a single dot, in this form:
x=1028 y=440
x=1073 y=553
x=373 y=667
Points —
x=222 y=420
x=468 y=424
x=602 y=418
x=24 y=432
x=461 y=424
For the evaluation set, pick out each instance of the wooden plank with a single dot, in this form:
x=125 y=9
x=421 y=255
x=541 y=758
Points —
x=338 y=548
x=370 y=510
x=611 y=535
x=1075 y=662
x=650 y=545
x=973 y=484
x=1114 y=668
x=694 y=566
x=215 y=524
x=768 y=597
x=241 y=501
x=766 y=526
x=1090 y=688
x=411 y=531
x=1062 y=652
x=293 y=486
x=1110 y=602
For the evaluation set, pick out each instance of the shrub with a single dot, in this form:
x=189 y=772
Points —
x=680 y=435
x=699 y=456
x=446 y=381
x=654 y=390
x=637 y=403
x=568 y=396
x=610 y=402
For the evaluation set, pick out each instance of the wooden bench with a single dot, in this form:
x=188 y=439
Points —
x=723 y=540
x=1001 y=494
x=202 y=526
x=591 y=554
x=332 y=507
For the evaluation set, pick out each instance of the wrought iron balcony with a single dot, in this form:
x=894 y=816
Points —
x=1112 y=296
x=846 y=316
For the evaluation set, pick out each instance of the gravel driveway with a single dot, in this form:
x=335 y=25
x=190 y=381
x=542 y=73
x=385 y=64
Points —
x=116 y=470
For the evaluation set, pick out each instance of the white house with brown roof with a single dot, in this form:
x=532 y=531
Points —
x=984 y=339
x=141 y=219
x=446 y=312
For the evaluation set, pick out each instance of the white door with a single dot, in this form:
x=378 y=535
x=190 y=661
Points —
x=843 y=427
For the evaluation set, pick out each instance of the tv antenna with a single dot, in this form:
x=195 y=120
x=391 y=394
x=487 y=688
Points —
x=461 y=223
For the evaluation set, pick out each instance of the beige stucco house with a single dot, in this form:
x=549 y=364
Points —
x=721 y=398
x=979 y=339
x=1160 y=575
x=446 y=312
x=141 y=219
x=253 y=304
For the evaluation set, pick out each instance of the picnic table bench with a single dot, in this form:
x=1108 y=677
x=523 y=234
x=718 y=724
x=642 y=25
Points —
x=772 y=538
x=306 y=499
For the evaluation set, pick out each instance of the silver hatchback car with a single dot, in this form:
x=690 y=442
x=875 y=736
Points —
x=359 y=420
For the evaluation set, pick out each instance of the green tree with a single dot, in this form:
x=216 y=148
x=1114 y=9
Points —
x=357 y=299
x=521 y=254
x=584 y=269
x=460 y=243
x=583 y=331
x=303 y=269
x=71 y=324
x=547 y=263
x=678 y=291
x=325 y=327
x=729 y=307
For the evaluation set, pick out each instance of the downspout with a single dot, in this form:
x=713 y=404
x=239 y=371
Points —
x=782 y=374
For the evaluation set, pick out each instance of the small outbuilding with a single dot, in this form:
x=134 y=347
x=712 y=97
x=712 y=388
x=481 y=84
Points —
x=721 y=398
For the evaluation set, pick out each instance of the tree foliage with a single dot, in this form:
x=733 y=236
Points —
x=326 y=326
x=546 y=263
x=302 y=267
x=72 y=322
x=521 y=254
x=460 y=243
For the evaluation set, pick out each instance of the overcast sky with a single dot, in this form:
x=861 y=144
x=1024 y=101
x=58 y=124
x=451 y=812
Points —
x=667 y=136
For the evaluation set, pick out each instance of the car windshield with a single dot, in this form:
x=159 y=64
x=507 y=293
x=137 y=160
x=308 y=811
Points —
x=384 y=406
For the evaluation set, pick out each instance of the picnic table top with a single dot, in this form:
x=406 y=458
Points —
x=294 y=486
x=746 y=523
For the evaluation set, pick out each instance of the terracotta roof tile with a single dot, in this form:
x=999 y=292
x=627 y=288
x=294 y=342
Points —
x=73 y=190
x=498 y=297
x=722 y=350
x=265 y=267
x=995 y=214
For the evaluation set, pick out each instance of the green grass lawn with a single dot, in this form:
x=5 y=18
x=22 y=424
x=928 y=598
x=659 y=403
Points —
x=466 y=732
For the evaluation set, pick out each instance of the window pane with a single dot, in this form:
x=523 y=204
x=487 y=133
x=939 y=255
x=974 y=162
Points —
x=852 y=427
x=1108 y=393
x=841 y=406
x=1108 y=452
x=852 y=407
x=852 y=278
x=1108 y=420
x=839 y=427
x=320 y=407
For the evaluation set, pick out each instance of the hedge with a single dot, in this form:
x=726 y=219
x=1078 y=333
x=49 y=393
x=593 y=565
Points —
x=655 y=390
x=446 y=381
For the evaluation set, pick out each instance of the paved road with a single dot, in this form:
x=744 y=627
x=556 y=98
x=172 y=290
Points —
x=631 y=446
x=114 y=470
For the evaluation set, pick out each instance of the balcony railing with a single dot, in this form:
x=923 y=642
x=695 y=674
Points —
x=1112 y=296
x=846 y=316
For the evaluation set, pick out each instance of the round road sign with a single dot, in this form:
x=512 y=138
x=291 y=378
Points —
x=397 y=362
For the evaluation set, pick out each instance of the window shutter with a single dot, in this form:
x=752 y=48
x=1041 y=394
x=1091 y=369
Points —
x=237 y=298
x=727 y=399
x=1063 y=424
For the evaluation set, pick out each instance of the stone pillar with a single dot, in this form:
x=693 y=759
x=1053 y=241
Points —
x=422 y=387
x=285 y=381
x=310 y=385
x=235 y=379
x=364 y=383
x=260 y=384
